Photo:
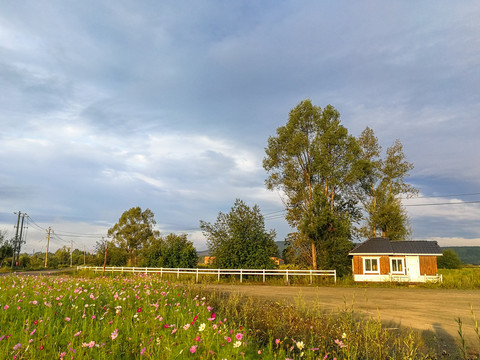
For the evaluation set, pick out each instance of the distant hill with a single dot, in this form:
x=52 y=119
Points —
x=281 y=245
x=468 y=254
x=202 y=253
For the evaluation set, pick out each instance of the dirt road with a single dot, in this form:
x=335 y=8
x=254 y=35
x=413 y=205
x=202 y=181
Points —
x=417 y=308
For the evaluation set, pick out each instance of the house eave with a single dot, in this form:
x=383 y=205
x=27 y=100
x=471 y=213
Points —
x=393 y=254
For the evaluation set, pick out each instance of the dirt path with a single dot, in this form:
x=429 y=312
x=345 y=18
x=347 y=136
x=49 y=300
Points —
x=417 y=308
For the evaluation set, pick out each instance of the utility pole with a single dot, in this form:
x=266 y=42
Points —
x=15 y=240
x=20 y=239
x=48 y=242
x=84 y=255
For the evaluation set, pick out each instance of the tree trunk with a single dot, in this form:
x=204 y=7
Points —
x=314 y=256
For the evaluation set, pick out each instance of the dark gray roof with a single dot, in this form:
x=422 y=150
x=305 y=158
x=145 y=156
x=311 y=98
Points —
x=383 y=246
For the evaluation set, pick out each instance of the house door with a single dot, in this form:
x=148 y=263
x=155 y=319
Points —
x=413 y=267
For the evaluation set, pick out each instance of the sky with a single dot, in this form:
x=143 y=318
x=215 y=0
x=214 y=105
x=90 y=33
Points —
x=168 y=105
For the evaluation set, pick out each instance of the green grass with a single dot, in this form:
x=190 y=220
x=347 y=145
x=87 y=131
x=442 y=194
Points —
x=132 y=317
x=466 y=278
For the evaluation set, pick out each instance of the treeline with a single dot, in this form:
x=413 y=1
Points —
x=133 y=241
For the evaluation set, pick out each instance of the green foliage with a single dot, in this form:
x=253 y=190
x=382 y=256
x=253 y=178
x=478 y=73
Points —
x=238 y=239
x=464 y=278
x=116 y=255
x=179 y=252
x=330 y=229
x=313 y=156
x=173 y=251
x=380 y=188
x=467 y=254
x=449 y=260
x=6 y=250
x=132 y=231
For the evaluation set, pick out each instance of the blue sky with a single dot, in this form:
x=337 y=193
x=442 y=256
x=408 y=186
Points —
x=106 y=105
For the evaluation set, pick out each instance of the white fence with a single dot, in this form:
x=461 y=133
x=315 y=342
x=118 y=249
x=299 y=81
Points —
x=218 y=272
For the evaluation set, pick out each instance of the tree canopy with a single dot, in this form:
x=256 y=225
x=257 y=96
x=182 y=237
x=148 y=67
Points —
x=238 y=239
x=380 y=189
x=132 y=231
x=172 y=251
x=449 y=260
x=323 y=172
x=313 y=160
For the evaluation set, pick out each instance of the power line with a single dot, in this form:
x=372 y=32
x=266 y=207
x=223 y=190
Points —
x=447 y=203
x=447 y=195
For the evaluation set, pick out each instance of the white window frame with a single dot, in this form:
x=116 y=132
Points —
x=397 y=272
x=365 y=271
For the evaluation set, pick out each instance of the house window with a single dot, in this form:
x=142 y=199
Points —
x=396 y=266
x=371 y=265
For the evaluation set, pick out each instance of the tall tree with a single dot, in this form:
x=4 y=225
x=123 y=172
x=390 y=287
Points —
x=132 y=231
x=238 y=239
x=313 y=154
x=382 y=187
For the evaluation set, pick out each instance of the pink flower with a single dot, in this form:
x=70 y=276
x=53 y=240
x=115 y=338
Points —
x=228 y=338
x=139 y=310
x=239 y=336
x=340 y=343
x=5 y=307
x=77 y=333
x=198 y=338
x=142 y=352
x=193 y=349
x=114 y=334
x=277 y=341
x=67 y=319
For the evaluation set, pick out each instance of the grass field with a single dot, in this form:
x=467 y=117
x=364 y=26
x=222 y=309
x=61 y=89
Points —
x=135 y=317
x=130 y=317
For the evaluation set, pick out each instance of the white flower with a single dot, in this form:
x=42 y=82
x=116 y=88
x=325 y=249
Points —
x=300 y=345
x=344 y=335
x=237 y=344
x=201 y=327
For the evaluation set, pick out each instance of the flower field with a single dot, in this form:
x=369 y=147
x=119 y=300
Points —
x=144 y=316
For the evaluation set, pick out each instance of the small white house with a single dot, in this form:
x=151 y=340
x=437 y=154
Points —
x=379 y=259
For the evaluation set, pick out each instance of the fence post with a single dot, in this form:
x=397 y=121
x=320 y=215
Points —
x=287 y=275
x=263 y=275
x=311 y=276
x=218 y=275
x=196 y=278
x=161 y=273
x=335 y=275
x=178 y=273
x=241 y=275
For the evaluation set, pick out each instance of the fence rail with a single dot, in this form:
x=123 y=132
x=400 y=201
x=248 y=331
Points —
x=218 y=272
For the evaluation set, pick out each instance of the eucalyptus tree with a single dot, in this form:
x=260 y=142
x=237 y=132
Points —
x=314 y=162
x=133 y=231
x=381 y=189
